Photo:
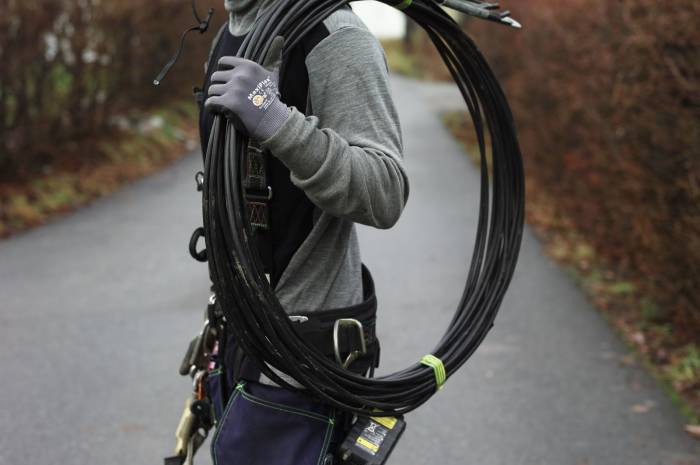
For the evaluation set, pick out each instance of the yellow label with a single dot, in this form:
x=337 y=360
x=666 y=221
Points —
x=363 y=442
x=388 y=422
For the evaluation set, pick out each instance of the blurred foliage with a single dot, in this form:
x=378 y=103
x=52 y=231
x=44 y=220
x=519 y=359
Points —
x=69 y=69
x=687 y=370
x=149 y=145
x=400 y=61
x=606 y=96
x=607 y=101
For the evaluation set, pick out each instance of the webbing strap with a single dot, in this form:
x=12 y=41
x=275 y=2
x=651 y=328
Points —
x=256 y=174
x=256 y=181
x=438 y=368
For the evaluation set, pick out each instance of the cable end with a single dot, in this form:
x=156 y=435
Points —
x=156 y=82
x=512 y=23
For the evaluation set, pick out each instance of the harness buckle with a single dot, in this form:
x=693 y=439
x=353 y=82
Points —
x=355 y=354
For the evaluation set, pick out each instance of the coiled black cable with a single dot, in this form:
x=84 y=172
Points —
x=252 y=311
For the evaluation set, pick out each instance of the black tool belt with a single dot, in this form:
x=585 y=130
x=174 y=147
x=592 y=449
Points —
x=328 y=330
x=345 y=334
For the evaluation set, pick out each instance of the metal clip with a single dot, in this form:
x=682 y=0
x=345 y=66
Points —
x=199 y=351
x=198 y=385
x=184 y=429
x=355 y=354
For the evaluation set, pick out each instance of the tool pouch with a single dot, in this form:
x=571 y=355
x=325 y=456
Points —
x=270 y=425
x=264 y=425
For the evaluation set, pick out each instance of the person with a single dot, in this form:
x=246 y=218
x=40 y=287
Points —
x=324 y=127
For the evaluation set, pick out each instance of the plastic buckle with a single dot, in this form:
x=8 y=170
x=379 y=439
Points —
x=355 y=354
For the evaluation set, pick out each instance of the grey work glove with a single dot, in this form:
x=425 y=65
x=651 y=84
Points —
x=248 y=94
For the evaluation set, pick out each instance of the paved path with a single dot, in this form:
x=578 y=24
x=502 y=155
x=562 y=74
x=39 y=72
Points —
x=96 y=309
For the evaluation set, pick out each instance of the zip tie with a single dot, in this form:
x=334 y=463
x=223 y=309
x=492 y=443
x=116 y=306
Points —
x=438 y=367
x=403 y=5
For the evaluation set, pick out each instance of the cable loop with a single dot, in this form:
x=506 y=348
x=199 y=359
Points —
x=252 y=311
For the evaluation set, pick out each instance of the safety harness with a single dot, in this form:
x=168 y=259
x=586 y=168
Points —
x=281 y=216
x=253 y=228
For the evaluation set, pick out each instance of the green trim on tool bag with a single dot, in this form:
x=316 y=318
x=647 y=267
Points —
x=239 y=392
x=326 y=440
x=215 y=439
x=403 y=5
x=283 y=408
x=438 y=367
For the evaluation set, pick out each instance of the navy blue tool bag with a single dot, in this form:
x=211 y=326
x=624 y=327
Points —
x=268 y=425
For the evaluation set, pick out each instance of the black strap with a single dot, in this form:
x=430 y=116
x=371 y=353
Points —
x=318 y=332
x=295 y=90
x=318 y=329
x=258 y=191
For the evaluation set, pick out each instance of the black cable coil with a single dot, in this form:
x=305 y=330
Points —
x=252 y=311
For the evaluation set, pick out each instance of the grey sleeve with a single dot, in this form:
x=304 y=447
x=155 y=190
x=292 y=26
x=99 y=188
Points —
x=347 y=157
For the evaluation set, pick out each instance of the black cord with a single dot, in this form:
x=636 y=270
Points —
x=202 y=27
x=252 y=311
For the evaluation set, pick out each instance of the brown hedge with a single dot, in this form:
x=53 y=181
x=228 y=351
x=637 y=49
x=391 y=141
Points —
x=607 y=99
x=67 y=68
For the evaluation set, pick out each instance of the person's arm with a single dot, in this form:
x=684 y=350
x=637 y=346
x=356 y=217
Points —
x=347 y=158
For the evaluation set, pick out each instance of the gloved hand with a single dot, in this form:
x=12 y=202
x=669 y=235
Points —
x=248 y=94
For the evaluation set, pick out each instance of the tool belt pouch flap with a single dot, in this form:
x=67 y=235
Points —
x=265 y=425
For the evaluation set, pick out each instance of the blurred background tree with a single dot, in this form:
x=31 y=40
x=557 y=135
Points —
x=606 y=95
x=69 y=68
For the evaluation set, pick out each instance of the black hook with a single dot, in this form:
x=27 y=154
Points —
x=200 y=256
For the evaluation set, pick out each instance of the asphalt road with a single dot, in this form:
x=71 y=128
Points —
x=97 y=307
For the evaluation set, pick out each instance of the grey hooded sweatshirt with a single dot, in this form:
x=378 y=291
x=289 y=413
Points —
x=346 y=157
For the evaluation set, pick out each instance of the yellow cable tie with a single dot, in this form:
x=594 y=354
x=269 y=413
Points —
x=438 y=367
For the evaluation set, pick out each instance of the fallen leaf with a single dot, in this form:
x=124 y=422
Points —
x=639 y=338
x=133 y=428
x=643 y=407
x=693 y=430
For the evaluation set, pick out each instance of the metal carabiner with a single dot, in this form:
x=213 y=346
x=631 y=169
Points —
x=355 y=354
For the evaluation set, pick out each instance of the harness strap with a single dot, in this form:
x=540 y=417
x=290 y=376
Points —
x=258 y=191
x=317 y=329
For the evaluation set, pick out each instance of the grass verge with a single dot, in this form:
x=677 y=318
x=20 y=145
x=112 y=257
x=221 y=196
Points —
x=140 y=145
x=416 y=60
